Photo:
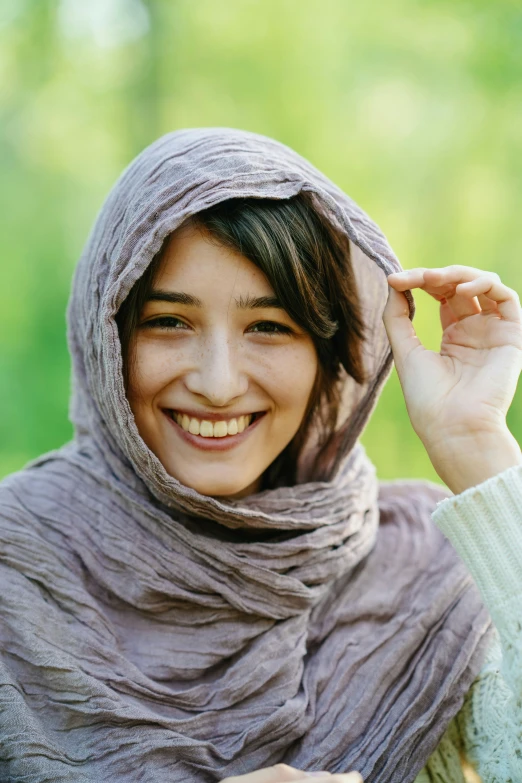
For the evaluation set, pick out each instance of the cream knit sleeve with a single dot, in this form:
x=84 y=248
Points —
x=484 y=524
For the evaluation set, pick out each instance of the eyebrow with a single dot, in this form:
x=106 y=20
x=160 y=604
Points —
x=243 y=303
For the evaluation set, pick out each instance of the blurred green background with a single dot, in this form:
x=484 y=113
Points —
x=413 y=107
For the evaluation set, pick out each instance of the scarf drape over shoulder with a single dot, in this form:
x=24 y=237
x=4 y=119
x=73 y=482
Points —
x=144 y=636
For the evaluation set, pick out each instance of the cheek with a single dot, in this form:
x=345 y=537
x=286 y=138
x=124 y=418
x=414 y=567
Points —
x=154 y=367
x=289 y=378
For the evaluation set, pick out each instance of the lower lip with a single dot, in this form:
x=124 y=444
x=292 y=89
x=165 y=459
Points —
x=214 y=444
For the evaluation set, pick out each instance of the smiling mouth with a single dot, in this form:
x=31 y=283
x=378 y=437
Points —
x=214 y=429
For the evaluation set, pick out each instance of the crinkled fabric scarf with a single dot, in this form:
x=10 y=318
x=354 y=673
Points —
x=144 y=636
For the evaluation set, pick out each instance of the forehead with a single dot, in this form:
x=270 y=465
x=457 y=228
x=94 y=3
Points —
x=193 y=258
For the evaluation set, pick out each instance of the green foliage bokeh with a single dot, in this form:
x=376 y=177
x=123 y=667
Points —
x=414 y=107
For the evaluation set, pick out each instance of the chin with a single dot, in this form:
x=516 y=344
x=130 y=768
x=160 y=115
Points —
x=217 y=486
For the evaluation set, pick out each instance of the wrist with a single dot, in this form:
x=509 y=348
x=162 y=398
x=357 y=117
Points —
x=469 y=460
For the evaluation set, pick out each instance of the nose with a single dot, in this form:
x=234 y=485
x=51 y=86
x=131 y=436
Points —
x=217 y=374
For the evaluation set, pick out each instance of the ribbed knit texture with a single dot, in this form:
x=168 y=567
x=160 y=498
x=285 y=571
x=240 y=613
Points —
x=484 y=524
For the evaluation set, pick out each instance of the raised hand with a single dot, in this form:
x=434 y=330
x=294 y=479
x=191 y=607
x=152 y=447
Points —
x=457 y=399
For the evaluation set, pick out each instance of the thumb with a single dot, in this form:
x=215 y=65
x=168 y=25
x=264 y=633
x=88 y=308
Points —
x=399 y=328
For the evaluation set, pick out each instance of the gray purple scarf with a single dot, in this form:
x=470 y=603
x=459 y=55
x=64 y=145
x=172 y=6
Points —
x=144 y=635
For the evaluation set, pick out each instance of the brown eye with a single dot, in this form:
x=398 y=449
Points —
x=164 y=322
x=270 y=327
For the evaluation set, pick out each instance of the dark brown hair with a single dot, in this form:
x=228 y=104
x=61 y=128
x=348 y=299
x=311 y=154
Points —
x=308 y=265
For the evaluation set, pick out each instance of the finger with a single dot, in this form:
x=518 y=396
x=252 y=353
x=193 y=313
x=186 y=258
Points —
x=408 y=278
x=399 y=328
x=487 y=305
x=506 y=299
x=447 y=316
x=441 y=285
x=443 y=282
x=446 y=276
x=461 y=307
x=454 y=274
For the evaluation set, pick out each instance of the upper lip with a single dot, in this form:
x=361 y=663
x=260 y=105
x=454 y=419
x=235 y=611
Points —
x=206 y=416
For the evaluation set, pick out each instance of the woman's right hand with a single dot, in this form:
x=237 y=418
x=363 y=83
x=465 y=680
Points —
x=282 y=773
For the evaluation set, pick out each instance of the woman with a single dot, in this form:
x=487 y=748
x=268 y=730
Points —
x=208 y=582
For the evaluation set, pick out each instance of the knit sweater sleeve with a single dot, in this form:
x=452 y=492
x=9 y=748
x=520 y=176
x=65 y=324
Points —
x=484 y=524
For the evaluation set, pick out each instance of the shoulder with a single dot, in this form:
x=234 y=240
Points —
x=33 y=494
x=406 y=509
x=408 y=493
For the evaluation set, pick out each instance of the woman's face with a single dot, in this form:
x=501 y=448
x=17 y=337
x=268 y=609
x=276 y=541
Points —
x=221 y=375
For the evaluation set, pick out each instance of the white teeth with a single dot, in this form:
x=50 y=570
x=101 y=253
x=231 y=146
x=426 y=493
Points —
x=220 y=429
x=232 y=427
x=207 y=429
x=194 y=427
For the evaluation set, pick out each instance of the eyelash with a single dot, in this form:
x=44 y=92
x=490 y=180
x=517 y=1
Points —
x=167 y=321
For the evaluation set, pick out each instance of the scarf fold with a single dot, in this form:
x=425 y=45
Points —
x=148 y=632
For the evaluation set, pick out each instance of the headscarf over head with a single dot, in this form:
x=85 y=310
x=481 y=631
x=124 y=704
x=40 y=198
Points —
x=144 y=635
